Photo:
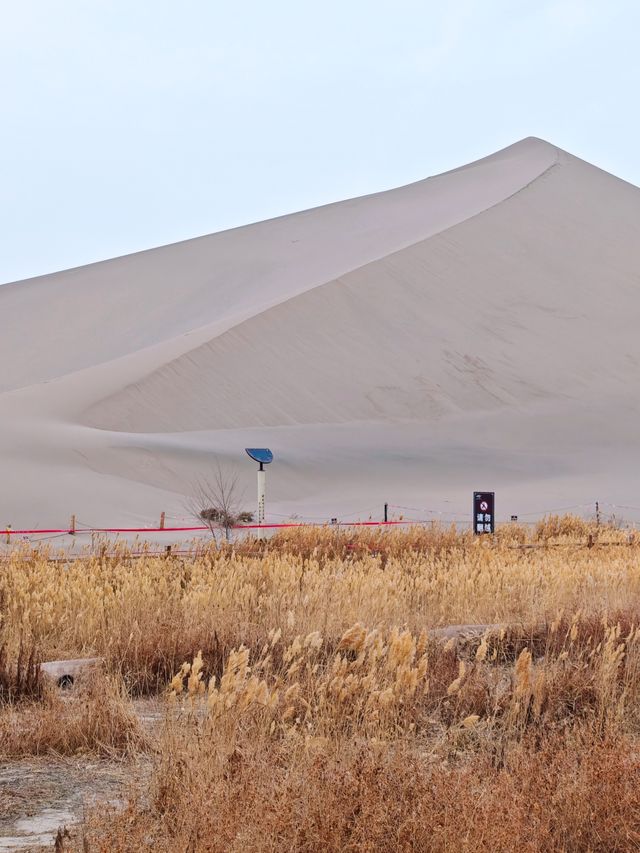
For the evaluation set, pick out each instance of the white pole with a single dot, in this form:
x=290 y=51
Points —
x=262 y=488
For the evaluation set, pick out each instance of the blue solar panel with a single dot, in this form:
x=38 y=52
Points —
x=260 y=454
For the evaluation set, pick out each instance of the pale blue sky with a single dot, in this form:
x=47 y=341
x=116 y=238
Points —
x=126 y=125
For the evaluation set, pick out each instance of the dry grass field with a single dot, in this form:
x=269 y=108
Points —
x=316 y=697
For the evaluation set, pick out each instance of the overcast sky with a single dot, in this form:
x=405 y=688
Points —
x=127 y=124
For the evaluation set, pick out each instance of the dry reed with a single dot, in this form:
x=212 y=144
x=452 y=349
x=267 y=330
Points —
x=312 y=704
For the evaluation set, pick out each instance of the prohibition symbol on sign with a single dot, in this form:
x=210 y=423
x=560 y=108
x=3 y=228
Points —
x=484 y=506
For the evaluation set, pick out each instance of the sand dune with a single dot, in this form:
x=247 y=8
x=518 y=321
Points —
x=473 y=330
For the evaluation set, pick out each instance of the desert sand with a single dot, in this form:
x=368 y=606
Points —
x=475 y=330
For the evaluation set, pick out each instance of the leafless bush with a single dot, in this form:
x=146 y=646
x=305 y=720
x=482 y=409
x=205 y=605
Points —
x=218 y=502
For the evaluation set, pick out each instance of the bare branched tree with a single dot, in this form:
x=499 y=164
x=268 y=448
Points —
x=217 y=501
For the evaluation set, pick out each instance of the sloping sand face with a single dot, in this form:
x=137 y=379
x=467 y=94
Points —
x=474 y=330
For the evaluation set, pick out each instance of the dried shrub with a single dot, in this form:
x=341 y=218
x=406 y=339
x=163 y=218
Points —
x=568 y=794
x=95 y=718
x=20 y=676
x=564 y=526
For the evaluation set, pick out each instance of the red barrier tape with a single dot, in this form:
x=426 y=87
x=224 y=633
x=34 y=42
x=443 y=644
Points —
x=11 y=532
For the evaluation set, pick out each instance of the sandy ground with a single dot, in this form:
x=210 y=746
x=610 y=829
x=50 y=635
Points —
x=37 y=798
x=40 y=796
x=476 y=330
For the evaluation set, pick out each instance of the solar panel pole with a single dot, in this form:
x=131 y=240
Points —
x=262 y=489
x=263 y=456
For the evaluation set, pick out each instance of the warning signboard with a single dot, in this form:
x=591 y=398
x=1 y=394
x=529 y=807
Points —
x=483 y=512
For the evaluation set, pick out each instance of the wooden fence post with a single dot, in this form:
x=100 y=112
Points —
x=162 y=520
